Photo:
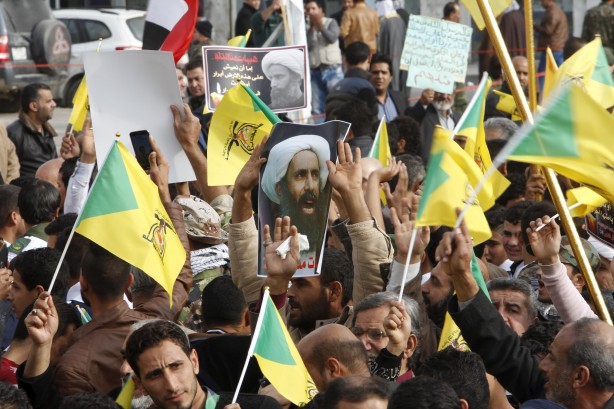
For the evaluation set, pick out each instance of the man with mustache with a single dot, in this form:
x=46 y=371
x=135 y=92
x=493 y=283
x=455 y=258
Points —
x=294 y=178
x=286 y=71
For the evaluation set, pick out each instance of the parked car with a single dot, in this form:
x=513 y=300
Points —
x=118 y=29
x=34 y=47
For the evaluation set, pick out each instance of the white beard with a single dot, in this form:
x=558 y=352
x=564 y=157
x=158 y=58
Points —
x=442 y=106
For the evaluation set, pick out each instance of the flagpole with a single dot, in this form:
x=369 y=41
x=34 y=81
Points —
x=252 y=345
x=473 y=101
x=72 y=231
x=528 y=26
x=412 y=241
x=553 y=186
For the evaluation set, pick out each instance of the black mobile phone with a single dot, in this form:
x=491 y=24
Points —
x=142 y=147
x=4 y=255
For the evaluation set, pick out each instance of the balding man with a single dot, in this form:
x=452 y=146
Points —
x=578 y=372
x=331 y=352
x=294 y=178
x=286 y=71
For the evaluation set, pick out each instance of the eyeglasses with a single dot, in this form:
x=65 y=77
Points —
x=374 y=334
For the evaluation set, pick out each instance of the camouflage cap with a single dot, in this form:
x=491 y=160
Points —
x=567 y=257
x=202 y=223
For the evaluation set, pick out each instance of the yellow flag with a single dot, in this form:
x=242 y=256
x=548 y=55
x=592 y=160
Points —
x=573 y=137
x=380 y=149
x=588 y=68
x=240 y=41
x=448 y=185
x=239 y=123
x=278 y=357
x=124 y=215
x=497 y=6
x=507 y=104
x=79 y=106
x=549 y=74
x=471 y=126
x=584 y=200
x=124 y=399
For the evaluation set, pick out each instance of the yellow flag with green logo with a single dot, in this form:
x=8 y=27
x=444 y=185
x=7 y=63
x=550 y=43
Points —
x=238 y=124
x=448 y=185
x=124 y=214
x=573 y=137
x=471 y=126
x=589 y=68
x=549 y=74
x=278 y=358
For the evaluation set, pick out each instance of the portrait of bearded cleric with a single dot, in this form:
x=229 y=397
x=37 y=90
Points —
x=294 y=182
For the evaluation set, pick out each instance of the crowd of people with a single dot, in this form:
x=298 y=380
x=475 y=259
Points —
x=534 y=337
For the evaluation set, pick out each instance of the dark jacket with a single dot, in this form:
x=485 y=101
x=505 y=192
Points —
x=514 y=366
x=427 y=118
x=243 y=22
x=33 y=148
x=399 y=99
x=84 y=368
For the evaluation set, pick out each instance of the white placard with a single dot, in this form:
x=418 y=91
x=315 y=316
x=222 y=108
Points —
x=132 y=91
x=435 y=53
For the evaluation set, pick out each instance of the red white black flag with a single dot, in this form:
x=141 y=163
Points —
x=169 y=25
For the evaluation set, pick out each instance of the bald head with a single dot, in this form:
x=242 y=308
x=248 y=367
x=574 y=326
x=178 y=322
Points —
x=593 y=347
x=332 y=351
x=50 y=170
x=521 y=66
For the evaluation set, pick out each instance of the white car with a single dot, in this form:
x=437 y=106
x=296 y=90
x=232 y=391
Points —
x=119 y=29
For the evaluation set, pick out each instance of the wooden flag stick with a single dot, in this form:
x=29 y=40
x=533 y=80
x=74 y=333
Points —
x=553 y=185
x=412 y=241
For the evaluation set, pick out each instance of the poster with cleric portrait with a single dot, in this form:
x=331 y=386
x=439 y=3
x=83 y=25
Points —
x=277 y=75
x=294 y=182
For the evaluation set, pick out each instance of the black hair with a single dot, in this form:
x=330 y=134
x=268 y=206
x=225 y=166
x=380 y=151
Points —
x=357 y=113
x=464 y=371
x=357 y=52
x=21 y=181
x=193 y=64
x=513 y=214
x=355 y=389
x=37 y=266
x=415 y=171
x=106 y=273
x=151 y=335
x=67 y=169
x=336 y=266
x=64 y=221
x=382 y=58
x=536 y=210
x=408 y=129
x=38 y=202
x=76 y=250
x=448 y=9
x=8 y=202
x=29 y=93
x=539 y=336
x=424 y=392
x=13 y=398
x=495 y=216
x=223 y=303
x=88 y=401
x=515 y=190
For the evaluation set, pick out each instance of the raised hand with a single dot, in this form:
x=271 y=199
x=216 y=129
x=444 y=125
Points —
x=403 y=227
x=397 y=325
x=88 y=154
x=347 y=174
x=248 y=177
x=546 y=242
x=70 y=147
x=280 y=271
x=159 y=169
x=187 y=129
x=42 y=322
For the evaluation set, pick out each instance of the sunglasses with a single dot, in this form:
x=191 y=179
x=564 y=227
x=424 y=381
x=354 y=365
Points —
x=374 y=334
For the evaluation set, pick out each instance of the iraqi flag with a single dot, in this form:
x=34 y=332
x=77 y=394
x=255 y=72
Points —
x=169 y=25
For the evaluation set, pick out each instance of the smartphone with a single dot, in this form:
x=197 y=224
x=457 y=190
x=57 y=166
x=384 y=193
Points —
x=4 y=255
x=142 y=147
